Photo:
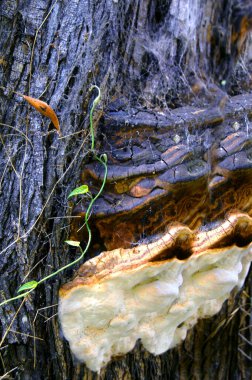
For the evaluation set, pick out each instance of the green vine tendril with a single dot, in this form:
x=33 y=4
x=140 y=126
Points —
x=31 y=285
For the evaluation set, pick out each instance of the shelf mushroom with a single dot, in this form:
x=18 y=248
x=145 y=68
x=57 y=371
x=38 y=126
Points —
x=154 y=292
x=175 y=218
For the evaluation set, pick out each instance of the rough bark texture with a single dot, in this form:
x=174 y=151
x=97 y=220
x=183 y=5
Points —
x=154 y=55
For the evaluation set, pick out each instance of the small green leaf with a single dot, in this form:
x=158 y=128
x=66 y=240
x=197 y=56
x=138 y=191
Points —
x=79 y=190
x=73 y=243
x=27 y=286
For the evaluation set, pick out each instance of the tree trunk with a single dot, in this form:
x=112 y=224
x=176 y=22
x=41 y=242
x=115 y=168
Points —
x=151 y=59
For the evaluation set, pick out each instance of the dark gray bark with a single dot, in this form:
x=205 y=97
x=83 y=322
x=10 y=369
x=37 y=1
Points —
x=154 y=54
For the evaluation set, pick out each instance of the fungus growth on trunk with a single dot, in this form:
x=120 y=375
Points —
x=174 y=222
x=149 y=293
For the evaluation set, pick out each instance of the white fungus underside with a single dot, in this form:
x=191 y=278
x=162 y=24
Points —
x=156 y=303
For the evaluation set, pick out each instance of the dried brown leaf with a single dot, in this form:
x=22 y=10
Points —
x=44 y=109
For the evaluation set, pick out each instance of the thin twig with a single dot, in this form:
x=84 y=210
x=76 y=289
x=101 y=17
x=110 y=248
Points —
x=12 y=321
x=17 y=130
x=244 y=354
x=28 y=335
x=52 y=316
x=34 y=333
x=34 y=43
x=27 y=123
x=29 y=272
x=7 y=373
x=65 y=217
x=9 y=158
x=72 y=134
x=46 y=203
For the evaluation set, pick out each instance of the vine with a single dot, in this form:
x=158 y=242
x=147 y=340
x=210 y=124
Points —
x=29 y=287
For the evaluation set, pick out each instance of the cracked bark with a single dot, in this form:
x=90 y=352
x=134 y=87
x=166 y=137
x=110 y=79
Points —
x=147 y=57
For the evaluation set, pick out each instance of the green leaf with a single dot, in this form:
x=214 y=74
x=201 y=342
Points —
x=79 y=190
x=27 y=286
x=73 y=243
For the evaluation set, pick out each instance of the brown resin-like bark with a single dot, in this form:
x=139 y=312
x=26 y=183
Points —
x=150 y=58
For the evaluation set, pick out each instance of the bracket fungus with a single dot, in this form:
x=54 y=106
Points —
x=192 y=196
x=146 y=293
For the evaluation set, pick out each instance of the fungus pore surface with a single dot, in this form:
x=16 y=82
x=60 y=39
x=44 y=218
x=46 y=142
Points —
x=146 y=293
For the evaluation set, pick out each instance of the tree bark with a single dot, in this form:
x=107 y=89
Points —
x=153 y=56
